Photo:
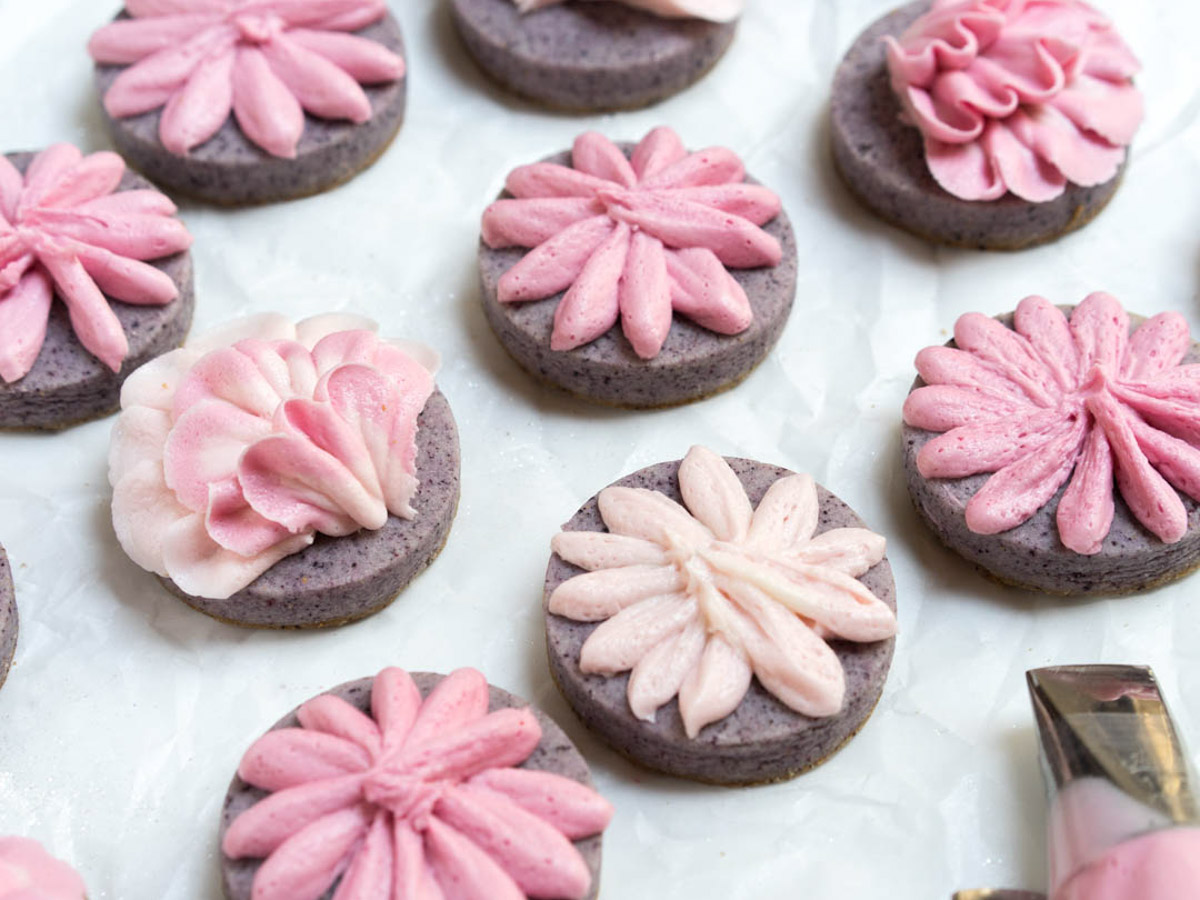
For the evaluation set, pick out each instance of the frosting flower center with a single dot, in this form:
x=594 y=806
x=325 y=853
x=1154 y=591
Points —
x=257 y=28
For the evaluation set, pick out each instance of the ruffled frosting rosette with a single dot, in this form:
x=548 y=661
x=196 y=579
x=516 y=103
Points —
x=1056 y=401
x=1021 y=96
x=711 y=10
x=636 y=239
x=28 y=872
x=695 y=602
x=267 y=62
x=66 y=229
x=236 y=450
x=422 y=799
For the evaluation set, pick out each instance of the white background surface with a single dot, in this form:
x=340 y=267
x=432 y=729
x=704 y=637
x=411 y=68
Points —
x=126 y=713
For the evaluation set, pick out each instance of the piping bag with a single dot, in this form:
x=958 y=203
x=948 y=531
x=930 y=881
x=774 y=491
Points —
x=1124 y=824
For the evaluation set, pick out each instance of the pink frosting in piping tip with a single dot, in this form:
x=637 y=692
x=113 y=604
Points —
x=28 y=872
x=1053 y=400
x=66 y=229
x=712 y=10
x=1017 y=95
x=634 y=239
x=419 y=800
x=1161 y=865
x=236 y=450
x=693 y=602
x=266 y=61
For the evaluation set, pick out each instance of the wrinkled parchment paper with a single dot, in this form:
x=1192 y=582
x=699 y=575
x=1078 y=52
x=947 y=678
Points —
x=126 y=713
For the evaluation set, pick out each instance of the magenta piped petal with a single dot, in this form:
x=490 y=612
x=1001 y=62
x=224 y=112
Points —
x=555 y=265
x=1010 y=353
x=1176 y=416
x=552 y=180
x=594 y=154
x=45 y=171
x=988 y=447
x=231 y=376
x=203 y=568
x=334 y=15
x=24 y=312
x=1049 y=334
x=753 y=202
x=262 y=828
x=645 y=296
x=573 y=808
x=333 y=715
x=13 y=269
x=371 y=872
x=340 y=348
x=306 y=865
x=458 y=700
x=539 y=858
x=129 y=280
x=151 y=82
x=713 y=165
x=144 y=202
x=197 y=112
x=364 y=60
x=964 y=170
x=1024 y=172
x=140 y=237
x=941 y=115
x=395 y=702
x=322 y=425
x=233 y=525
x=128 y=41
x=658 y=150
x=323 y=89
x=703 y=291
x=1100 y=327
x=287 y=757
x=1085 y=512
x=92 y=318
x=266 y=110
x=949 y=365
x=150 y=9
x=12 y=184
x=943 y=407
x=1158 y=346
x=592 y=304
x=414 y=876
x=499 y=739
x=1082 y=157
x=463 y=870
x=527 y=223
x=1111 y=111
x=93 y=176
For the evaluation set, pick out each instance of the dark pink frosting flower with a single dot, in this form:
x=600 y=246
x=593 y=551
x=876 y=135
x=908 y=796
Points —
x=64 y=227
x=419 y=800
x=634 y=239
x=1057 y=400
x=266 y=61
x=1017 y=95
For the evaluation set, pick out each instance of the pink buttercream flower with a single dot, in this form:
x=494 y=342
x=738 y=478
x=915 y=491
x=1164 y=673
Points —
x=27 y=872
x=1017 y=95
x=420 y=799
x=695 y=603
x=635 y=239
x=1053 y=401
x=235 y=451
x=65 y=228
x=266 y=61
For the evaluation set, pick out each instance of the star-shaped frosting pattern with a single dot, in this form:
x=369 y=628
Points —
x=636 y=239
x=1053 y=401
x=695 y=602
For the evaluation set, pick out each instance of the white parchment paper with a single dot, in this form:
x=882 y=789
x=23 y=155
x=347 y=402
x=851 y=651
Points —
x=126 y=713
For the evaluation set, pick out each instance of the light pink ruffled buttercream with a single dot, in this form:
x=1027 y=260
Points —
x=421 y=799
x=634 y=239
x=1017 y=95
x=1055 y=400
x=712 y=10
x=27 y=872
x=65 y=229
x=266 y=61
x=695 y=603
x=235 y=451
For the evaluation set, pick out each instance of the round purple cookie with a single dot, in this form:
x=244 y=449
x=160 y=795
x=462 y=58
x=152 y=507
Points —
x=882 y=161
x=1031 y=556
x=67 y=384
x=694 y=363
x=555 y=754
x=8 y=617
x=588 y=56
x=760 y=741
x=230 y=170
x=335 y=581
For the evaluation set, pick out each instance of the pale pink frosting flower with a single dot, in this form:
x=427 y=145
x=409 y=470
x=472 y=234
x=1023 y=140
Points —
x=420 y=800
x=635 y=239
x=1017 y=95
x=712 y=10
x=696 y=601
x=28 y=872
x=1055 y=400
x=236 y=450
x=65 y=228
x=266 y=61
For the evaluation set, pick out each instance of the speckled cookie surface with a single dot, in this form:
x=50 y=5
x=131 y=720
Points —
x=694 y=362
x=8 y=617
x=588 y=56
x=68 y=385
x=762 y=740
x=554 y=754
x=1031 y=555
x=335 y=581
x=231 y=170
x=882 y=161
